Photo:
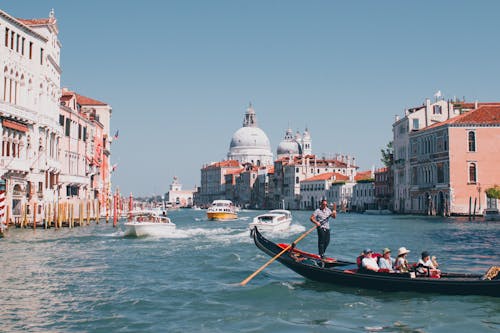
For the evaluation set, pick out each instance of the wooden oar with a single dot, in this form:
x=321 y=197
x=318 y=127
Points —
x=251 y=276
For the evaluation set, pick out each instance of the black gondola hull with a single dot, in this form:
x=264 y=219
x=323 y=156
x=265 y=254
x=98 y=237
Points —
x=346 y=274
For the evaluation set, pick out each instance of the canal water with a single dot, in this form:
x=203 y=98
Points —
x=93 y=279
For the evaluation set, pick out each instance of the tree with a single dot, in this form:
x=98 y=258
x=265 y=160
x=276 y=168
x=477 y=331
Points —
x=387 y=155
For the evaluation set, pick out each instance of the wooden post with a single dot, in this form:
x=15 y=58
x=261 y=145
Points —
x=87 y=204
x=34 y=214
x=470 y=207
x=80 y=213
x=115 y=210
x=474 y=213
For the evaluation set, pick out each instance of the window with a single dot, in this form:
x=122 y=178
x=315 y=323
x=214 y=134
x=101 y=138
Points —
x=79 y=131
x=415 y=124
x=437 y=109
x=85 y=134
x=41 y=56
x=472 y=141
x=17 y=43
x=68 y=127
x=22 y=45
x=472 y=173
x=296 y=180
x=61 y=120
x=31 y=50
x=12 y=34
x=440 y=172
x=7 y=37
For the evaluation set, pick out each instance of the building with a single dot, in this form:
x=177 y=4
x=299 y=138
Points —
x=178 y=197
x=297 y=145
x=363 y=192
x=290 y=171
x=384 y=188
x=213 y=181
x=416 y=119
x=29 y=110
x=316 y=188
x=455 y=162
x=250 y=144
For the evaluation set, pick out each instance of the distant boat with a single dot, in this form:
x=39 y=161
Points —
x=222 y=210
x=274 y=220
x=149 y=223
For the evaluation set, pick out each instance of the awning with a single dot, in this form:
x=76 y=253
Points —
x=14 y=125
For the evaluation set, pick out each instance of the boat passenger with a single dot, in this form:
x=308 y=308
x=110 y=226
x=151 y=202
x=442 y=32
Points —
x=369 y=262
x=386 y=262
x=426 y=267
x=402 y=265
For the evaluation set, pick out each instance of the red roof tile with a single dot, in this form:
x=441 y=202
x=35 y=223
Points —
x=361 y=175
x=483 y=115
x=39 y=21
x=327 y=176
x=83 y=100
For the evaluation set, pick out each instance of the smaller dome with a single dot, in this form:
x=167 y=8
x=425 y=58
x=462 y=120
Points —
x=288 y=147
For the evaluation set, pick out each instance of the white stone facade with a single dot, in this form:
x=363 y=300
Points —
x=29 y=108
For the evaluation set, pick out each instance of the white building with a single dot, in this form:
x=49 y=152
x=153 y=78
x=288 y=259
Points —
x=29 y=109
x=176 y=196
x=414 y=119
x=315 y=189
x=250 y=144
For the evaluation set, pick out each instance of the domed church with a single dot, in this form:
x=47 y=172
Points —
x=295 y=145
x=250 y=144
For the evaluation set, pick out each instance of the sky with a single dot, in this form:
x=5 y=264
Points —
x=180 y=75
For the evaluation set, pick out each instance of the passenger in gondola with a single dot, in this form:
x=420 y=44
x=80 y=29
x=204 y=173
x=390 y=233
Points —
x=386 y=262
x=402 y=265
x=425 y=267
x=369 y=262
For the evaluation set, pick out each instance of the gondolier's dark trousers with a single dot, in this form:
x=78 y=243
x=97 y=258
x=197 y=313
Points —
x=323 y=240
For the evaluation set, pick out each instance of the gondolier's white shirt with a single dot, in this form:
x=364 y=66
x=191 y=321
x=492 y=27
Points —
x=322 y=216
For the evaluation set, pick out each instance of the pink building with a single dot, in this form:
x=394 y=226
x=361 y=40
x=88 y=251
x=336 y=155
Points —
x=453 y=163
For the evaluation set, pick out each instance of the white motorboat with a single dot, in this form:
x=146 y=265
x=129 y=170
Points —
x=222 y=210
x=274 y=220
x=149 y=223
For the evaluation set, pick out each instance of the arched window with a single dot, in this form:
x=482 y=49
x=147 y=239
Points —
x=472 y=141
x=472 y=173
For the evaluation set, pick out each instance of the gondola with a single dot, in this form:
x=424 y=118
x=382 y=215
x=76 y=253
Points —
x=339 y=272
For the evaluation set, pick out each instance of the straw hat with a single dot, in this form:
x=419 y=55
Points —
x=403 y=250
x=386 y=250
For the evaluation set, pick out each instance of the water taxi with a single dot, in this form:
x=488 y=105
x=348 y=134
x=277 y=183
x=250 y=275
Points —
x=149 y=223
x=274 y=220
x=222 y=210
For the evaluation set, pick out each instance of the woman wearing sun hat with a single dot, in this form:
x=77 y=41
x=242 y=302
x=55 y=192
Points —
x=402 y=265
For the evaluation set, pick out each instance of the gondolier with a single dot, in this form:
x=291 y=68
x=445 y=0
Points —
x=321 y=217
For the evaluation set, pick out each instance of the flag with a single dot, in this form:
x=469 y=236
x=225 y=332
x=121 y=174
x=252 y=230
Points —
x=438 y=94
x=113 y=167
x=115 y=137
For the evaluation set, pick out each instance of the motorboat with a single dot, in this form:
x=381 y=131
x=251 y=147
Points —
x=149 y=223
x=345 y=273
x=274 y=220
x=222 y=210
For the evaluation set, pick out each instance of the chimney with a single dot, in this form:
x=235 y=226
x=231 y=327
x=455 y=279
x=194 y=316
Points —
x=475 y=104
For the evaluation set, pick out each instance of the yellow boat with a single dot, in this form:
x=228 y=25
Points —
x=222 y=210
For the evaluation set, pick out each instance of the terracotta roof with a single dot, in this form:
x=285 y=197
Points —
x=224 y=164
x=83 y=100
x=39 y=21
x=66 y=97
x=327 y=176
x=384 y=169
x=361 y=175
x=483 y=115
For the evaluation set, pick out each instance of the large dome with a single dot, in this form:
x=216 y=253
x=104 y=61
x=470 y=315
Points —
x=250 y=144
x=249 y=137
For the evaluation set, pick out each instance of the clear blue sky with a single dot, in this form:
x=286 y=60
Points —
x=180 y=74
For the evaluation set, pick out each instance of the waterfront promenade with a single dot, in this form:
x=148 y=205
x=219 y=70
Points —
x=92 y=279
